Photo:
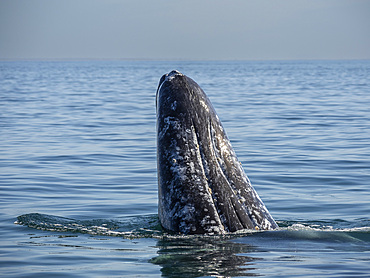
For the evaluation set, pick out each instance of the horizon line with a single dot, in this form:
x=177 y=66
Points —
x=172 y=59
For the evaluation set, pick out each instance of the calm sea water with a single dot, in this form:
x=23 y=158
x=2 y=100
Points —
x=78 y=169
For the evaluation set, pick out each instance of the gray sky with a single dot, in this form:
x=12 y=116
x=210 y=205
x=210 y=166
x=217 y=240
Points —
x=196 y=30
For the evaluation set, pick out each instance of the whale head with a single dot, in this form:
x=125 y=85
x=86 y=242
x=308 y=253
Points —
x=202 y=187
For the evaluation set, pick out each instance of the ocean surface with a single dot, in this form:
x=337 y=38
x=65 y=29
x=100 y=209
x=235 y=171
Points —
x=78 y=185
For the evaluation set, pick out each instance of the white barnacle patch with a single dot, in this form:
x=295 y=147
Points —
x=206 y=220
x=191 y=166
x=180 y=172
x=225 y=147
x=174 y=105
x=186 y=214
x=204 y=105
x=169 y=122
x=266 y=224
x=211 y=226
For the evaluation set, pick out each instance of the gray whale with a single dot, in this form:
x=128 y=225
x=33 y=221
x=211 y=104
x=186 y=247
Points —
x=202 y=187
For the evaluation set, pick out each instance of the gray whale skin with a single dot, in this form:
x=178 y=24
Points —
x=202 y=187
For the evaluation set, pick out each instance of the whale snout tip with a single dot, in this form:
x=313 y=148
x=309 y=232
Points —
x=174 y=72
x=169 y=77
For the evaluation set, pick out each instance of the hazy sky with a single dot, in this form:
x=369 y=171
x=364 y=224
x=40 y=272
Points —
x=201 y=29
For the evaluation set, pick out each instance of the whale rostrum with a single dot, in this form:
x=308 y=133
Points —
x=202 y=187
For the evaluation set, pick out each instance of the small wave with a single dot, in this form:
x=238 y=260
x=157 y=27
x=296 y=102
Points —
x=134 y=226
x=149 y=226
x=336 y=225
